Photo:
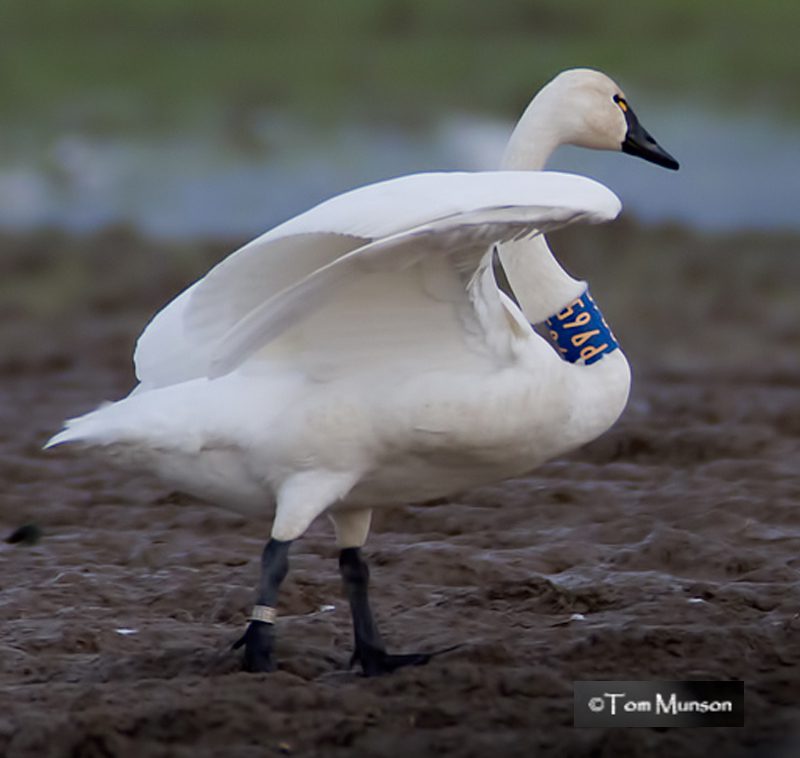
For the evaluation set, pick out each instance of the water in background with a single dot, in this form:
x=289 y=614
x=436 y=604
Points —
x=200 y=181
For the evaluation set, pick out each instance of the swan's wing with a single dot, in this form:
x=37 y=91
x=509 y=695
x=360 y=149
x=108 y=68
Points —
x=177 y=344
x=384 y=265
x=396 y=292
x=423 y=296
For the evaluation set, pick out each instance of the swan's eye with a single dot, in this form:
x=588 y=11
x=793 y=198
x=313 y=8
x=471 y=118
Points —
x=621 y=102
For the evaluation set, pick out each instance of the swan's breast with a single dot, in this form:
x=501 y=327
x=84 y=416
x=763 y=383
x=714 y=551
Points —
x=468 y=433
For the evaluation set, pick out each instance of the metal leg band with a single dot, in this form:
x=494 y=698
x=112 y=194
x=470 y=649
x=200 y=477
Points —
x=263 y=613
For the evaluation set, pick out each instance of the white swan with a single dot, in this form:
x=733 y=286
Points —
x=362 y=353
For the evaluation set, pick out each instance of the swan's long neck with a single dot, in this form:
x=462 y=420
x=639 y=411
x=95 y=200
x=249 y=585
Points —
x=536 y=135
x=542 y=287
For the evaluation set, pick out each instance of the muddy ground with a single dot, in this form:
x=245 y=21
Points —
x=676 y=536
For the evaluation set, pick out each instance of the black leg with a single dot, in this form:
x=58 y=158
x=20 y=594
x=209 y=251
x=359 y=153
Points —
x=369 y=649
x=258 y=640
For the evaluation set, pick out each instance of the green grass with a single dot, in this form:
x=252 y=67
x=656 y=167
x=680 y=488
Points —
x=110 y=64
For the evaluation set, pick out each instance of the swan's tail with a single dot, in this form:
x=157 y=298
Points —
x=65 y=435
x=91 y=429
x=161 y=433
x=134 y=418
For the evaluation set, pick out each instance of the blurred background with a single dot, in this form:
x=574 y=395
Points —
x=141 y=141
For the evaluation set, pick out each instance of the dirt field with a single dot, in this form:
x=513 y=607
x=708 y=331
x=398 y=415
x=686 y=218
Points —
x=676 y=536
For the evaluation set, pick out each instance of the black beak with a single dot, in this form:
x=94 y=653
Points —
x=639 y=142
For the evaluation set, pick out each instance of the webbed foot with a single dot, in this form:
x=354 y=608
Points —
x=377 y=662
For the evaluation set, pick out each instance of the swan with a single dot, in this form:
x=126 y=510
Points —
x=362 y=354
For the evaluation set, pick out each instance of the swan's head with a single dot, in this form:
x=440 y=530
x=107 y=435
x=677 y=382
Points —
x=585 y=108
x=592 y=111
